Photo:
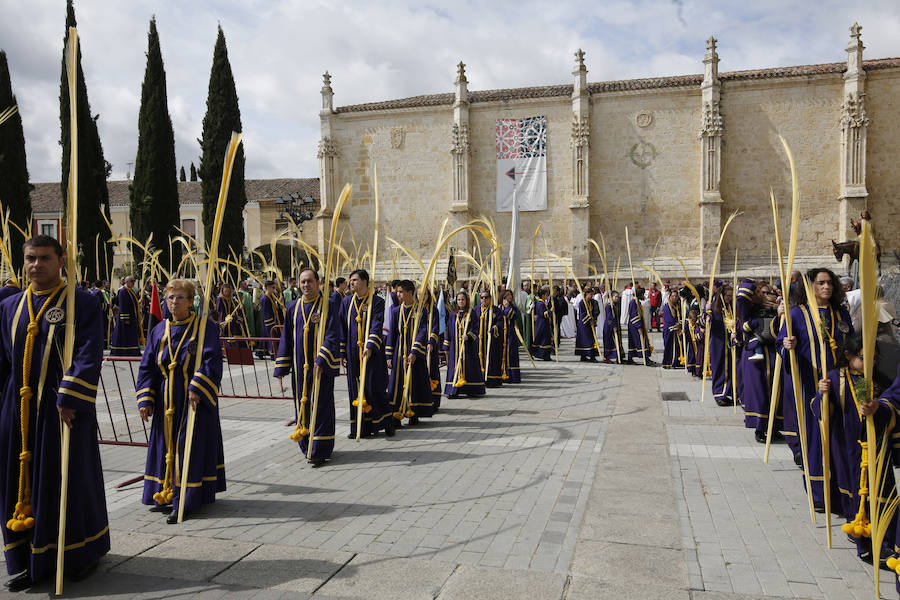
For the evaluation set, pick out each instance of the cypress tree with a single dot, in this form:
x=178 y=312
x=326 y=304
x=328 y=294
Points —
x=193 y=172
x=15 y=190
x=93 y=195
x=154 y=190
x=222 y=117
x=181 y=174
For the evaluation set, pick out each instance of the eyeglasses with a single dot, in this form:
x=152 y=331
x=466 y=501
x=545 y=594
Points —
x=177 y=298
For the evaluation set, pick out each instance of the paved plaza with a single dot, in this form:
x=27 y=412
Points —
x=582 y=483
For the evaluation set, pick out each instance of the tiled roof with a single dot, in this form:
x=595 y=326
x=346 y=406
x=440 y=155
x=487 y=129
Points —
x=552 y=91
x=45 y=197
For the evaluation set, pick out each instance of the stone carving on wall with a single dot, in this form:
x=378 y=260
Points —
x=643 y=118
x=712 y=121
x=460 y=140
x=327 y=148
x=398 y=134
x=581 y=131
x=642 y=154
x=853 y=111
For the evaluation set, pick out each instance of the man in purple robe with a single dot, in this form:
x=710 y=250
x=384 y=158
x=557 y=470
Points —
x=298 y=355
x=464 y=375
x=719 y=352
x=585 y=328
x=30 y=463
x=126 y=336
x=613 y=352
x=756 y=325
x=490 y=345
x=638 y=340
x=357 y=344
x=542 y=325
x=273 y=318
x=406 y=353
x=673 y=350
x=167 y=384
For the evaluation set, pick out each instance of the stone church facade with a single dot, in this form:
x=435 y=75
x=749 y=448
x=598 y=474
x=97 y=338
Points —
x=669 y=158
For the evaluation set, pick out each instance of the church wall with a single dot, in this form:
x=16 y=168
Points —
x=414 y=175
x=883 y=157
x=645 y=178
x=806 y=112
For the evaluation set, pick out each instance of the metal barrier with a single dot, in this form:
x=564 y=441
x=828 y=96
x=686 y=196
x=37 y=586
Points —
x=130 y=424
x=244 y=368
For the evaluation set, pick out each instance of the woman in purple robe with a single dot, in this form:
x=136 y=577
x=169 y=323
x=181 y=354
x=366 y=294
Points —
x=464 y=374
x=613 y=351
x=356 y=344
x=490 y=344
x=126 y=336
x=673 y=352
x=805 y=343
x=542 y=325
x=167 y=385
x=719 y=350
x=585 y=328
x=407 y=353
x=47 y=393
x=509 y=318
x=299 y=356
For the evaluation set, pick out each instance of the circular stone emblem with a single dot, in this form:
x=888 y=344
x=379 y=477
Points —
x=643 y=119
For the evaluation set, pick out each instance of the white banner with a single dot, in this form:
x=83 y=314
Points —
x=522 y=164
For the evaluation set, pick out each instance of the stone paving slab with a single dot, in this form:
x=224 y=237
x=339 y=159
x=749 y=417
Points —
x=287 y=568
x=386 y=577
x=499 y=584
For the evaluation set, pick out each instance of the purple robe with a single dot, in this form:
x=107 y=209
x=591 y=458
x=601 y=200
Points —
x=757 y=377
x=673 y=353
x=273 y=319
x=510 y=371
x=351 y=335
x=231 y=319
x=8 y=290
x=542 y=330
x=638 y=341
x=693 y=354
x=838 y=325
x=401 y=344
x=490 y=353
x=161 y=388
x=612 y=335
x=585 y=328
x=297 y=355
x=462 y=336
x=719 y=357
x=434 y=358
x=127 y=333
x=87 y=524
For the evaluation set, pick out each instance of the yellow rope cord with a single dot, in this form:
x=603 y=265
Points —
x=361 y=340
x=461 y=327
x=22 y=519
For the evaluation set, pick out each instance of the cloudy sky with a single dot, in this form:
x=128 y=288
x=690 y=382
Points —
x=378 y=50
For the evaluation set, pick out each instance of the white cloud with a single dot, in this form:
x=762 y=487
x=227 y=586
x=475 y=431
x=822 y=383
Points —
x=380 y=50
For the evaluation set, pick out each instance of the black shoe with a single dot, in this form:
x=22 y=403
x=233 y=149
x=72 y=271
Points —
x=414 y=420
x=389 y=429
x=866 y=557
x=351 y=435
x=398 y=424
x=819 y=507
x=172 y=519
x=19 y=583
x=452 y=396
x=724 y=401
x=316 y=462
x=777 y=436
x=761 y=437
x=798 y=460
x=593 y=359
x=82 y=573
x=650 y=363
x=161 y=508
x=584 y=359
x=630 y=361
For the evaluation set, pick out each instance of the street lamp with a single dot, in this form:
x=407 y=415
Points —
x=297 y=207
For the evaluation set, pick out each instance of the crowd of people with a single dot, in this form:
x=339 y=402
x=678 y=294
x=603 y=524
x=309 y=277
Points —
x=393 y=344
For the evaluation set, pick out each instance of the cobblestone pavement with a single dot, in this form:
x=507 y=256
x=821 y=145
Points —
x=580 y=483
